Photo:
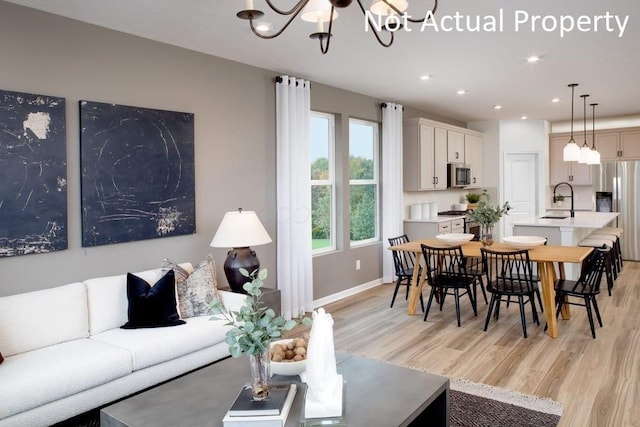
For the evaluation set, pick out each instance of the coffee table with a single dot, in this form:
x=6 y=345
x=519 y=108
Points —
x=377 y=394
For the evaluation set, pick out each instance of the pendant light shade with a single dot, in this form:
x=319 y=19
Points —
x=595 y=154
x=571 y=152
x=585 y=150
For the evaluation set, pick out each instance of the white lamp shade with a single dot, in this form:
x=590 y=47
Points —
x=318 y=11
x=571 y=152
x=240 y=229
x=594 y=158
x=381 y=8
x=585 y=154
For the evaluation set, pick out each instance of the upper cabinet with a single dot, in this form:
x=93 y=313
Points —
x=620 y=145
x=473 y=157
x=560 y=171
x=424 y=156
x=427 y=148
x=455 y=146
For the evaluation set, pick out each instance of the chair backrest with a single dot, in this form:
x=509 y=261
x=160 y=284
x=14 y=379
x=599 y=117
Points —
x=511 y=271
x=593 y=267
x=443 y=262
x=402 y=260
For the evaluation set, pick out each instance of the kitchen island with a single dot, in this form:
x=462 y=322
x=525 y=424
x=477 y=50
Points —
x=560 y=229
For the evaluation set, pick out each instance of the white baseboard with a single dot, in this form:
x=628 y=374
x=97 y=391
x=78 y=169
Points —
x=346 y=293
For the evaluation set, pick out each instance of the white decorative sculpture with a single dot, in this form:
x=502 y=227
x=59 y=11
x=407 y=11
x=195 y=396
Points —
x=324 y=392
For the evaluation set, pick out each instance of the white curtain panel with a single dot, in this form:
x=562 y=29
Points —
x=295 y=268
x=392 y=209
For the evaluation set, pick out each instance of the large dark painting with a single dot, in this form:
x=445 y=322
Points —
x=137 y=173
x=33 y=174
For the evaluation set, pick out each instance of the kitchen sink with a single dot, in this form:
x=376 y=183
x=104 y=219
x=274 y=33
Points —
x=554 y=217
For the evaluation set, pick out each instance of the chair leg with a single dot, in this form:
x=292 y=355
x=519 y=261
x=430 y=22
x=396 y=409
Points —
x=456 y=294
x=431 y=294
x=597 y=310
x=587 y=304
x=422 y=302
x=395 y=291
x=534 y=310
x=537 y=291
x=474 y=301
x=523 y=318
x=492 y=303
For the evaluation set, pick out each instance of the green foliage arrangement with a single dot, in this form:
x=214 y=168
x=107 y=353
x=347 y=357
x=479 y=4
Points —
x=473 y=197
x=486 y=213
x=255 y=324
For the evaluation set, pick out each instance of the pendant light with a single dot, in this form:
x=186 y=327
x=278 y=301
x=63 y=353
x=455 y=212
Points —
x=595 y=155
x=571 y=152
x=585 y=150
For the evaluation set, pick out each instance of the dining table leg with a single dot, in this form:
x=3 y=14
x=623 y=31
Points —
x=417 y=282
x=547 y=278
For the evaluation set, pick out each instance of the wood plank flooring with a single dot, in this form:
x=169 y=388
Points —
x=598 y=380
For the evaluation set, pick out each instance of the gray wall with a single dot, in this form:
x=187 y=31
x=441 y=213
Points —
x=234 y=143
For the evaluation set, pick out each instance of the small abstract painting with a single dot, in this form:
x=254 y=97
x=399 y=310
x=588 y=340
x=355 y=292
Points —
x=33 y=174
x=138 y=178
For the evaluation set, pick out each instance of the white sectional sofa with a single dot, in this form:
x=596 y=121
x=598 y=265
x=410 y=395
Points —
x=65 y=352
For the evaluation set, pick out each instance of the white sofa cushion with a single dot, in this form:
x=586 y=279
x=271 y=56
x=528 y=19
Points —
x=42 y=318
x=156 y=345
x=34 y=378
x=107 y=298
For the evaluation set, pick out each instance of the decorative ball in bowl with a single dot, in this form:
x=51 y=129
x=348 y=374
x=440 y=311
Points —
x=454 y=239
x=288 y=356
x=524 y=242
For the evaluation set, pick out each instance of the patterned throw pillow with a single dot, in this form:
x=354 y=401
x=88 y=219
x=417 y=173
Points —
x=195 y=290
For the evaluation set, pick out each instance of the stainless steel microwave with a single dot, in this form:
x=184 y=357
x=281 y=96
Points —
x=458 y=175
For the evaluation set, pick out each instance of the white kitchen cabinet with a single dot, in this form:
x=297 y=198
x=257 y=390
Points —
x=572 y=172
x=473 y=157
x=455 y=147
x=424 y=156
x=429 y=229
x=630 y=145
x=608 y=145
x=612 y=144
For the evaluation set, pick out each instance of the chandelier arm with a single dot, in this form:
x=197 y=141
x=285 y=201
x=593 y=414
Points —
x=324 y=49
x=416 y=21
x=297 y=7
x=276 y=34
x=371 y=24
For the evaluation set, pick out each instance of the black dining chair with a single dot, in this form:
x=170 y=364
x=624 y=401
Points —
x=509 y=274
x=586 y=287
x=403 y=263
x=446 y=275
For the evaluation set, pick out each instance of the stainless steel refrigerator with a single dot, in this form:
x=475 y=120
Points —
x=622 y=180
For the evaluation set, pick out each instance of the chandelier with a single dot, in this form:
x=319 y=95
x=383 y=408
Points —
x=383 y=16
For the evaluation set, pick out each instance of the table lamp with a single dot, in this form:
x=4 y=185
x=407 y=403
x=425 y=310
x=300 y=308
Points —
x=239 y=230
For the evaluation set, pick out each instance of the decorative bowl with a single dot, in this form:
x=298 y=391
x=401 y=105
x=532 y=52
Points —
x=524 y=242
x=287 y=368
x=454 y=239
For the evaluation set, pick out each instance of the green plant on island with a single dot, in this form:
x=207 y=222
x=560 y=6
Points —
x=486 y=213
x=473 y=197
x=255 y=324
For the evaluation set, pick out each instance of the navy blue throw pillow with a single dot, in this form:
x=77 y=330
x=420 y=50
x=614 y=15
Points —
x=152 y=306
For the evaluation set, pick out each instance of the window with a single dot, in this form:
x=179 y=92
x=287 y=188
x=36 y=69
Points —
x=322 y=183
x=363 y=181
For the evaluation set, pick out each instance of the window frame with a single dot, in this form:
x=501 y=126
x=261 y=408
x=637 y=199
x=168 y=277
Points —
x=331 y=181
x=375 y=180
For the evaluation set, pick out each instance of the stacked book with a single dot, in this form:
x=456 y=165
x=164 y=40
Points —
x=246 y=412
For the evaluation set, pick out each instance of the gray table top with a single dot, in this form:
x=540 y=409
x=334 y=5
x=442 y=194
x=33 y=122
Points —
x=377 y=394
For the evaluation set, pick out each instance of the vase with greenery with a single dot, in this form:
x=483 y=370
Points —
x=487 y=214
x=254 y=326
x=473 y=198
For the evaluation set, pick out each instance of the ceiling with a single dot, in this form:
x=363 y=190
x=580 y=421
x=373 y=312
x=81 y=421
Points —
x=491 y=66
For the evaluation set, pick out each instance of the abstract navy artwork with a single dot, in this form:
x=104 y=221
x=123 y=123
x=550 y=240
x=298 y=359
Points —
x=33 y=174
x=137 y=173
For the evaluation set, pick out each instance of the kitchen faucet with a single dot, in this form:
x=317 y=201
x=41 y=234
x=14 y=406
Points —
x=573 y=212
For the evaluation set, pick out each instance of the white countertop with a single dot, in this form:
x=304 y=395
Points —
x=440 y=218
x=581 y=220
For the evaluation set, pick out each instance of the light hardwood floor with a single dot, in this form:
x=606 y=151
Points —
x=598 y=380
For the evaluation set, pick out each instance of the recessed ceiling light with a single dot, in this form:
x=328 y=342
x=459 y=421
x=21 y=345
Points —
x=497 y=107
x=461 y=92
x=523 y=117
x=555 y=100
x=533 y=58
x=425 y=77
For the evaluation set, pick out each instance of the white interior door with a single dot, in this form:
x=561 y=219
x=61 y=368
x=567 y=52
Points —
x=520 y=188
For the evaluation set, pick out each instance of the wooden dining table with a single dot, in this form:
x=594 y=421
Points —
x=546 y=257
